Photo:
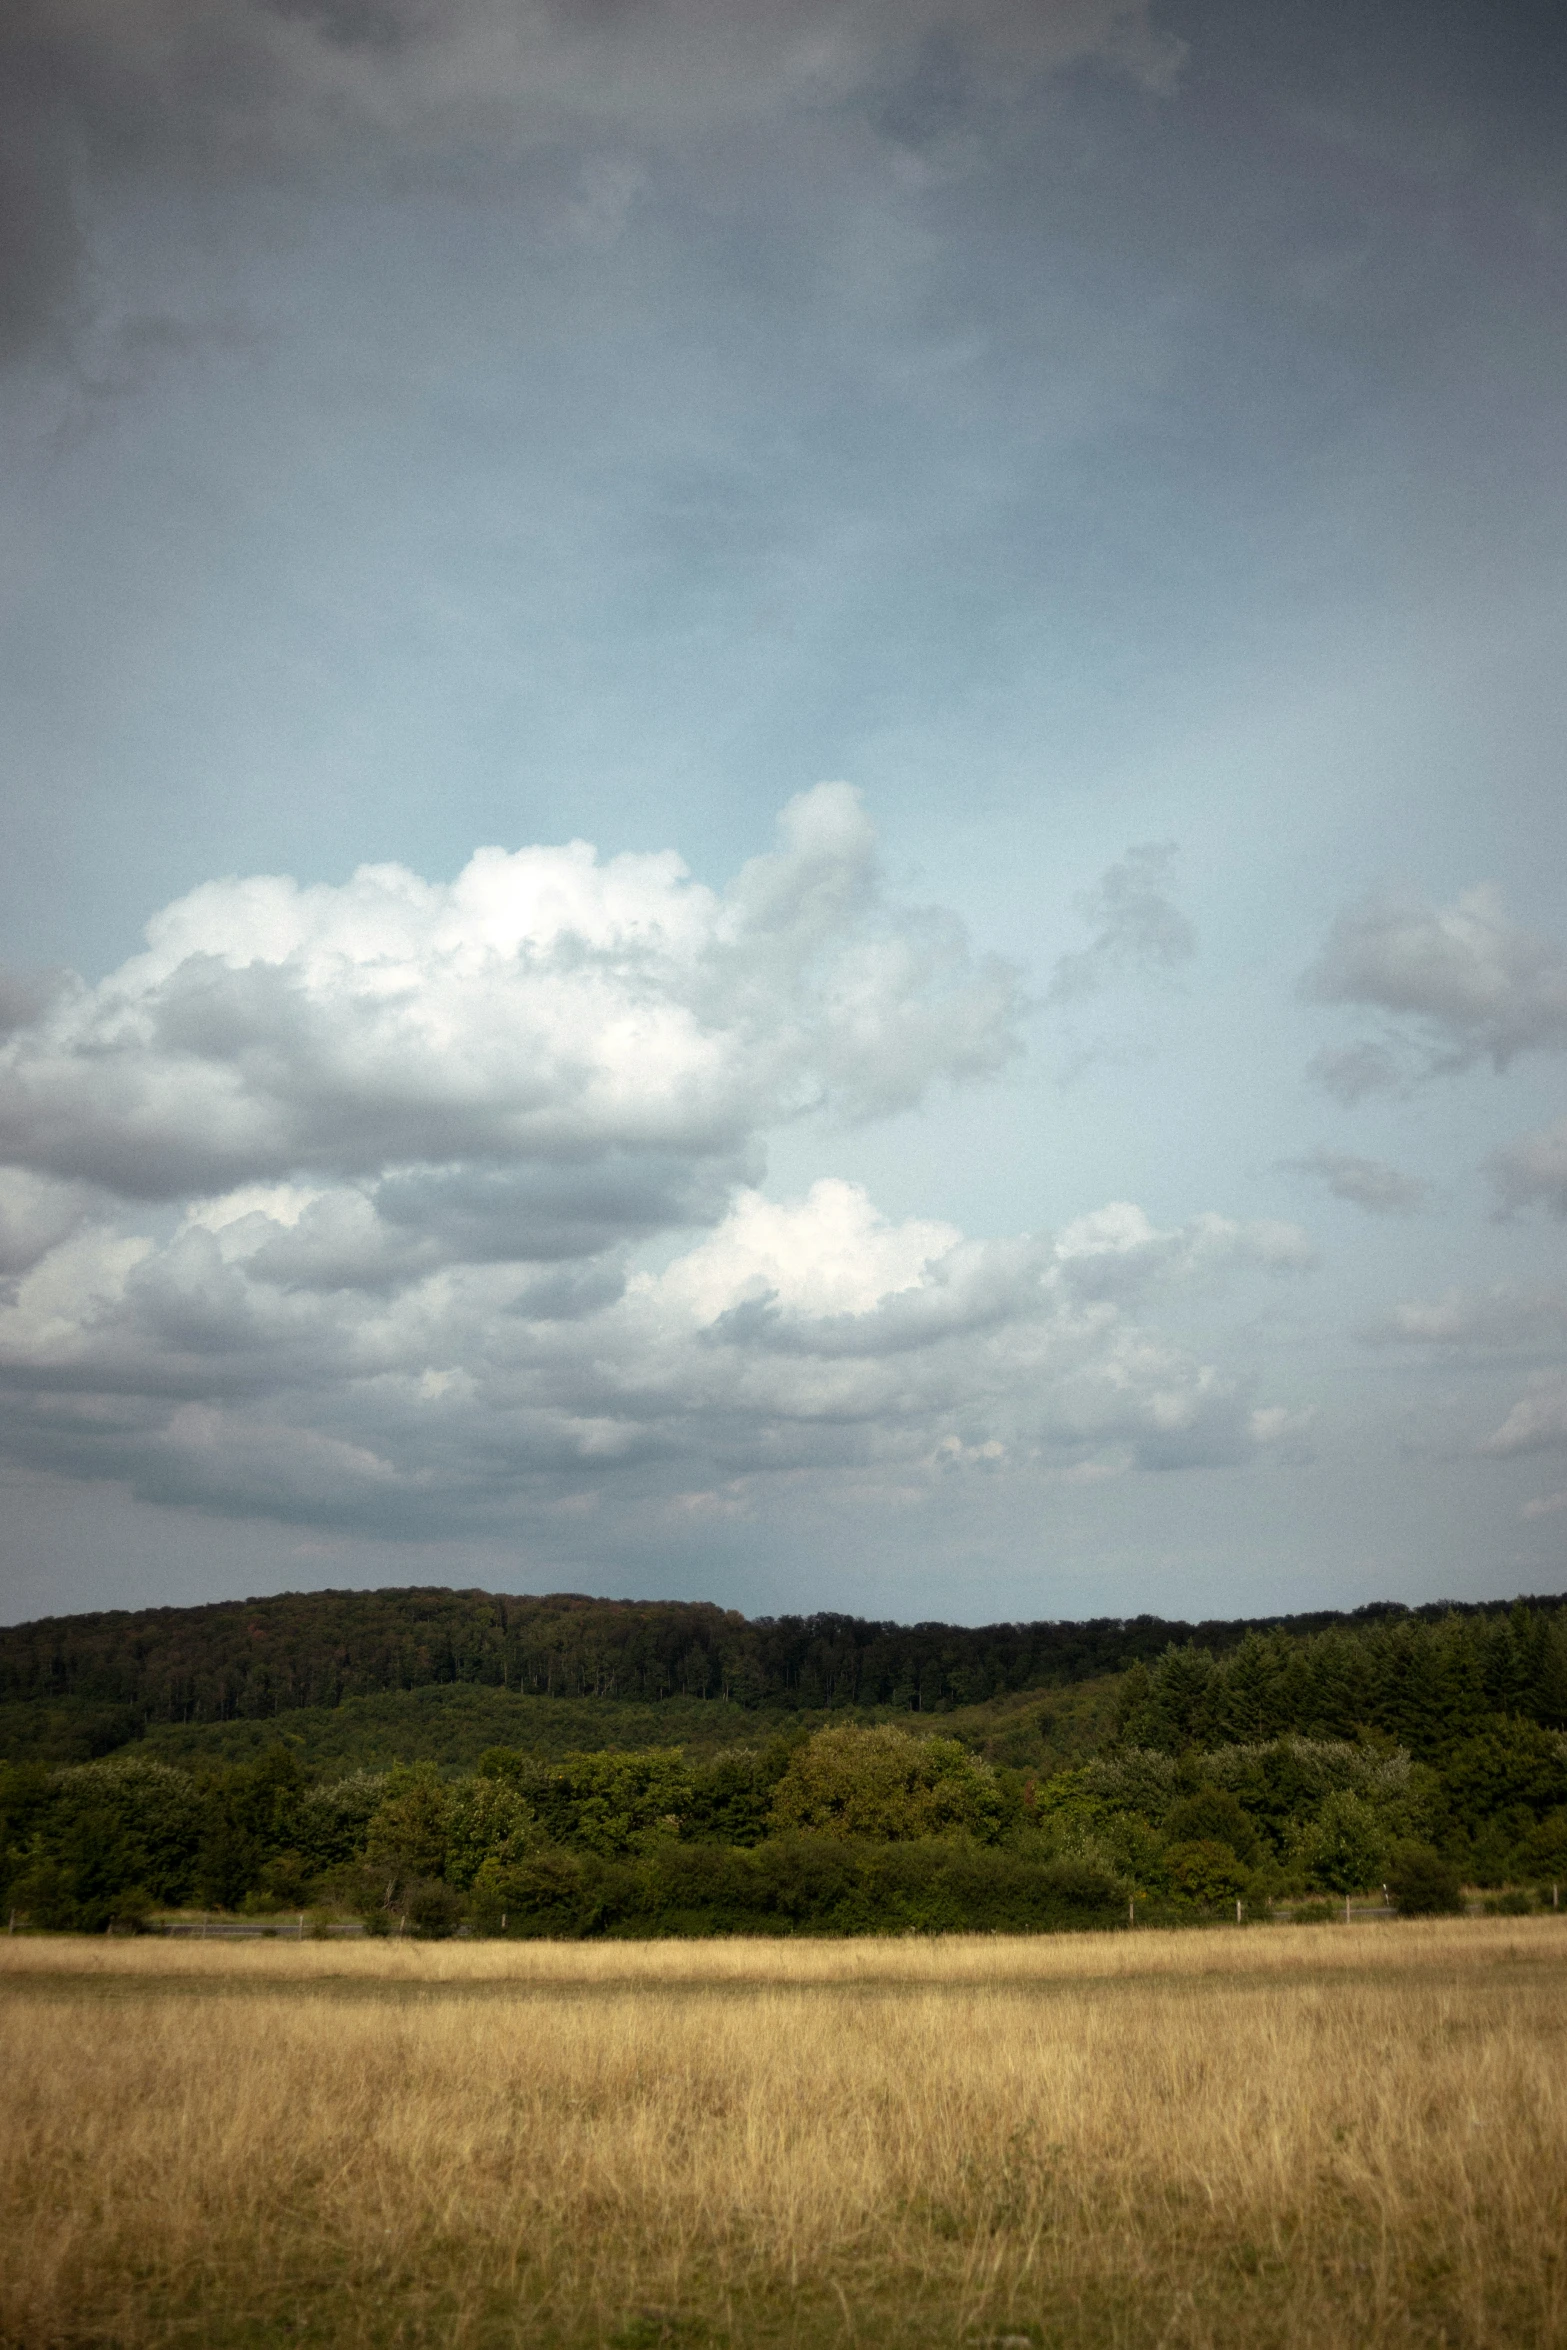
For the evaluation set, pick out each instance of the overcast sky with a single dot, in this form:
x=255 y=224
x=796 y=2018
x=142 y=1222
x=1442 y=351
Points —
x=783 y=799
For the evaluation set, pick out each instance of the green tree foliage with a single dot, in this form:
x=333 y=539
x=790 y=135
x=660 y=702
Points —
x=405 y=1842
x=249 y=1814
x=1318 y=1813
x=488 y=1821
x=1428 y=1682
x=615 y=1803
x=113 y=1838
x=611 y=1804
x=1212 y=1815
x=114 y=1674
x=332 y=1821
x=1346 y=1846
x=1275 y=1763
x=883 y=1783
x=26 y=1798
x=1511 y=1765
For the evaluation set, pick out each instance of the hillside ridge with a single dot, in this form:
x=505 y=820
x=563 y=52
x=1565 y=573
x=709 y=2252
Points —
x=249 y=1659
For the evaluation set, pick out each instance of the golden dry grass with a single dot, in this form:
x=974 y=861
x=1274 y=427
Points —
x=1302 y=2137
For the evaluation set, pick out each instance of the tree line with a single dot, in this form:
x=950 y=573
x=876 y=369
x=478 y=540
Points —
x=252 y=1659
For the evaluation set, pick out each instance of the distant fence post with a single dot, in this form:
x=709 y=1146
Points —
x=1131 y=1910
x=1346 y=1909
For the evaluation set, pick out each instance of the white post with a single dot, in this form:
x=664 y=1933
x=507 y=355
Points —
x=1131 y=1913
x=1237 y=1913
x=1346 y=1909
x=301 y=1925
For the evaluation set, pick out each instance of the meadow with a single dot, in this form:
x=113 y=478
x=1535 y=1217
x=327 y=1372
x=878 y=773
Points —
x=1293 y=2136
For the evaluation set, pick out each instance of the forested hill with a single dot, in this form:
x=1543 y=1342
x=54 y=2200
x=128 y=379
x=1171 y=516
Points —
x=249 y=1659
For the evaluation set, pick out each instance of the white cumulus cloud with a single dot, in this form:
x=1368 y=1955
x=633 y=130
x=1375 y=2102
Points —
x=545 y=1010
x=412 y=1206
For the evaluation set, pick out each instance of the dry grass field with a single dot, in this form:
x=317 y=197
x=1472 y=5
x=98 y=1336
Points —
x=1294 y=2136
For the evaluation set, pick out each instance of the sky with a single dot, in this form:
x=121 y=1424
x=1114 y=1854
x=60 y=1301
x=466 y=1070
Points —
x=782 y=802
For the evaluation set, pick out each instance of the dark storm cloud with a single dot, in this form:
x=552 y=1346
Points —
x=545 y=1214
x=411 y=1224
x=101 y=95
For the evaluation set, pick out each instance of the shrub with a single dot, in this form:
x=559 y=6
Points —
x=1544 y=1850
x=432 y=1909
x=800 y=1884
x=548 y=1893
x=1205 y=1871
x=1421 y=1884
x=285 y=1883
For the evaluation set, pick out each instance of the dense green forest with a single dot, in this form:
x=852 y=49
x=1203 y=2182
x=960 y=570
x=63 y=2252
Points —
x=251 y=1659
x=553 y=1772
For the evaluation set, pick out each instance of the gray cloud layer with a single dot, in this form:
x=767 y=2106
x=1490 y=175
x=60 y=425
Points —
x=105 y=94
x=1509 y=1319
x=806 y=1337
x=1460 y=983
x=1533 y=1171
x=1366 y=1183
x=1505 y=1319
x=1138 y=928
